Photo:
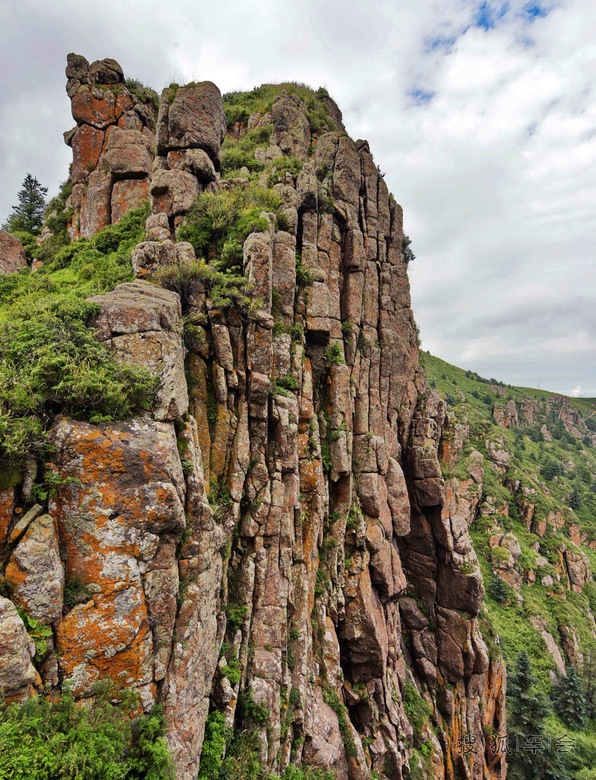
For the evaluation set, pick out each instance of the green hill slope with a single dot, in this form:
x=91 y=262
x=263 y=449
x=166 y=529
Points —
x=534 y=531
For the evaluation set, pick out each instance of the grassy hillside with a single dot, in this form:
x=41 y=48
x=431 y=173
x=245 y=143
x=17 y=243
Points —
x=534 y=531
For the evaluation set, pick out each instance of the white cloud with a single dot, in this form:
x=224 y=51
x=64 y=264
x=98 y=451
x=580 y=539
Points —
x=495 y=171
x=576 y=392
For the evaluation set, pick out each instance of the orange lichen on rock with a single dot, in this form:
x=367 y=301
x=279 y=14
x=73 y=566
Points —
x=128 y=492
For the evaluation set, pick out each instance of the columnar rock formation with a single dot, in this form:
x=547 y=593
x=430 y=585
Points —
x=111 y=144
x=285 y=493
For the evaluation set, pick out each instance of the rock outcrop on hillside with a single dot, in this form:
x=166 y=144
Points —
x=12 y=254
x=275 y=540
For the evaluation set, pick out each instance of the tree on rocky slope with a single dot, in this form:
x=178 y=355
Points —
x=527 y=756
x=28 y=214
x=569 y=698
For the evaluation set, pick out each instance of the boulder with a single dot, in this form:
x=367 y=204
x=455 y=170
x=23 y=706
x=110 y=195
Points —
x=128 y=153
x=12 y=254
x=291 y=128
x=35 y=571
x=193 y=117
x=142 y=323
x=17 y=673
x=127 y=195
x=106 y=71
x=173 y=192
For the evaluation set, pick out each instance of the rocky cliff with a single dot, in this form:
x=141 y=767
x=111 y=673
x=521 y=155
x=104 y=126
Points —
x=271 y=550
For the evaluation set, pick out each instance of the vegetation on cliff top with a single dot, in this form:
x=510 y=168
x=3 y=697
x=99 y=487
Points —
x=240 y=105
x=50 y=359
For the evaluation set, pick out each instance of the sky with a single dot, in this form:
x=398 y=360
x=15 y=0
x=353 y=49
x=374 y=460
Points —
x=480 y=113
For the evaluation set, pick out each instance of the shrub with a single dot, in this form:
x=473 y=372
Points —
x=52 y=740
x=235 y=613
x=334 y=354
x=289 y=383
x=303 y=276
x=50 y=360
x=251 y=711
x=51 y=363
x=217 y=735
x=228 y=215
x=234 y=158
x=407 y=250
x=283 y=165
x=224 y=288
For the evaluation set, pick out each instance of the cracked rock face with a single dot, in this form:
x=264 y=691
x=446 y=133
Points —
x=17 y=673
x=282 y=503
x=12 y=254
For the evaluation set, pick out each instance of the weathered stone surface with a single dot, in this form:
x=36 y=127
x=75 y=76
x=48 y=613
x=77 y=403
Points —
x=7 y=503
x=142 y=324
x=77 y=67
x=106 y=71
x=325 y=748
x=96 y=206
x=457 y=589
x=193 y=119
x=87 y=145
x=12 y=254
x=347 y=570
x=150 y=256
x=128 y=492
x=578 y=568
x=173 y=192
x=126 y=195
x=291 y=130
x=157 y=228
x=195 y=652
x=35 y=572
x=195 y=161
x=24 y=522
x=128 y=153
x=365 y=632
x=99 y=106
x=17 y=673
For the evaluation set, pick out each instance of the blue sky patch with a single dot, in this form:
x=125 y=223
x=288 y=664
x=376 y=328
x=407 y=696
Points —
x=534 y=10
x=489 y=14
x=439 y=43
x=420 y=97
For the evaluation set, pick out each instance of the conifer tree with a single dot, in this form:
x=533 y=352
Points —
x=28 y=214
x=575 y=499
x=497 y=589
x=527 y=711
x=569 y=698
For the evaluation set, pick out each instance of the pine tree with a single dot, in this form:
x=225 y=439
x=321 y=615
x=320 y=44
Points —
x=527 y=711
x=575 y=499
x=407 y=250
x=498 y=590
x=569 y=698
x=28 y=215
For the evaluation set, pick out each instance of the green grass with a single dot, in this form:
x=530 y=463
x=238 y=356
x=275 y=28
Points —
x=240 y=105
x=50 y=360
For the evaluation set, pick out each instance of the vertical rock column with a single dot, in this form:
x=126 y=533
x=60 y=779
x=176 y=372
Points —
x=190 y=128
x=112 y=144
